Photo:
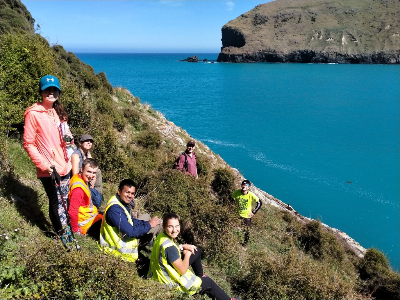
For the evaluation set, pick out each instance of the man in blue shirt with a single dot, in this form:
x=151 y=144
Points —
x=119 y=228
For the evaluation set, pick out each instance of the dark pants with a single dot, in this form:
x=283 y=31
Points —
x=57 y=213
x=94 y=230
x=208 y=286
x=246 y=223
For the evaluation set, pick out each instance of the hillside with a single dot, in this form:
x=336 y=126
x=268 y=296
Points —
x=288 y=257
x=318 y=31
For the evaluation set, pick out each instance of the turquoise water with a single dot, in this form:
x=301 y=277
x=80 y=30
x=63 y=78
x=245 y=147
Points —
x=323 y=138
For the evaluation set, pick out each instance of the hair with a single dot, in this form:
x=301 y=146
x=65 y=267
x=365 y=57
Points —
x=58 y=107
x=191 y=142
x=126 y=182
x=91 y=162
x=168 y=216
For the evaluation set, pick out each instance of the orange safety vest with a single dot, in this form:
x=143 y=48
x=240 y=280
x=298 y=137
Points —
x=88 y=214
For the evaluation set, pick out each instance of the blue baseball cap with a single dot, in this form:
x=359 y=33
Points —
x=48 y=81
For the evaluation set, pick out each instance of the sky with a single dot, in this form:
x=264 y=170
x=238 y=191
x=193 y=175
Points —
x=177 y=26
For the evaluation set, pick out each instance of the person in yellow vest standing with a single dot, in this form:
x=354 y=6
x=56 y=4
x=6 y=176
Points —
x=84 y=216
x=119 y=231
x=167 y=265
x=245 y=201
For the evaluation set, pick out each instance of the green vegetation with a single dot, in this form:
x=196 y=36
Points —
x=285 y=259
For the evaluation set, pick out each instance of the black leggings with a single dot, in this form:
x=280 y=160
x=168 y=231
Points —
x=57 y=213
x=208 y=286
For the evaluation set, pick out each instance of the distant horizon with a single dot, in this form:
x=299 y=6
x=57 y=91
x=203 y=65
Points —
x=190 y=52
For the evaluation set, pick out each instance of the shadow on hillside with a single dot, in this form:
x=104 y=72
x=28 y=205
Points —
x=26 y=201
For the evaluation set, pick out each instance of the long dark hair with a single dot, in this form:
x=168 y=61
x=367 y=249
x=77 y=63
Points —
x=59 y=108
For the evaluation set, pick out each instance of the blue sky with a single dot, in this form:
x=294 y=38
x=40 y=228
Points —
x=136 y=26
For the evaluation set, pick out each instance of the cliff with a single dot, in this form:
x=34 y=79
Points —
x=315 y=31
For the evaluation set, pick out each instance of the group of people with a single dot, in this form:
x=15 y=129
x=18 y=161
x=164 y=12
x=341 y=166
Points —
x=73 y=184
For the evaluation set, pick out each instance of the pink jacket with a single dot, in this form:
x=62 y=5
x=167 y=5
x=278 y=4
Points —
x=43 y=142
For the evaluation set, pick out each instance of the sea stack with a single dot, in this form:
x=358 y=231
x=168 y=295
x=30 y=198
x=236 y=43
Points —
x=315 y=31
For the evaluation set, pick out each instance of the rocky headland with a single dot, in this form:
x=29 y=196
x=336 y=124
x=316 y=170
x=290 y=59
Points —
x=315 y=31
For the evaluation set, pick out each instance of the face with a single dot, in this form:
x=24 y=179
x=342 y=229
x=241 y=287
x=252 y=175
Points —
x=88 y=173
x=127 y=194
x=190 y=148
x=86 y=145
x=245 y=188
x=173 y=228
x=50 y=94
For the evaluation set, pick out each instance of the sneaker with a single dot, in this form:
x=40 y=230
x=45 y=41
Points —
x=237 y=298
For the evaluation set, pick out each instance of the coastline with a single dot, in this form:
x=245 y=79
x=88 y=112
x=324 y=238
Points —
x=170 y=130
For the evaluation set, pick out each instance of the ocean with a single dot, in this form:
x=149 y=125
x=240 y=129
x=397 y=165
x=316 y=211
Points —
x=323 y=138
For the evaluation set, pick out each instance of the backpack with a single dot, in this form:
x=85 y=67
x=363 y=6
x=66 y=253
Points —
x=97 y=198
x=176 y=163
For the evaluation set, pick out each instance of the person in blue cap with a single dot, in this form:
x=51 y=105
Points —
x=44 y=142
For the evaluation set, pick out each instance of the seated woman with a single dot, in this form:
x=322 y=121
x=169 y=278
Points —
x=77 y=158
x=167 y=266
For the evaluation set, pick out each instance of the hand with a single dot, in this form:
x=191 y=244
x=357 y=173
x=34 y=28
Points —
x=154 y=222
x=250 y=215
x=186 y=252
x=50 y=170
x=92 y=182
x=190 y=248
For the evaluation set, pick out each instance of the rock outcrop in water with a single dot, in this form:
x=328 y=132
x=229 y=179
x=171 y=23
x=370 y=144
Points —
x=315 y=31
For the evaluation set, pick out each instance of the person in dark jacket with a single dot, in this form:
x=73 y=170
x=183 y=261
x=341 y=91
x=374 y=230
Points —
x=120 y=231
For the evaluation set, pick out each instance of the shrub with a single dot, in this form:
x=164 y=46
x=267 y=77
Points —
x=223 y=183
x=24 y=60
x=15 y=18
x=204 y=221
x=104 y=82
x=203 y=165
x=292 y=276
x=149 y=139
x=379 y=281
x=78 y=109
x=320 y=244
x=133 y=117
x=79 y=275
x=119 y=120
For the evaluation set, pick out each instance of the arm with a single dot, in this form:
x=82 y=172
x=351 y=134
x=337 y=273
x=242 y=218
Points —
x=30 y=144
x=182 y=265
x=191 y=248
x=75 y=163
x=115 y=216
x=181 y=163
x=258 y=205
x=76 y=197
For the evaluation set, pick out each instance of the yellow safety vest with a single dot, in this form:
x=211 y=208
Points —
x=111 y=239
x=87 y=214
x=162 y=271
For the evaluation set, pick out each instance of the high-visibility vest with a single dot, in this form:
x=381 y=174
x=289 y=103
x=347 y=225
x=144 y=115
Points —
x=87 y=214
x=113 y=242
x=162 y=271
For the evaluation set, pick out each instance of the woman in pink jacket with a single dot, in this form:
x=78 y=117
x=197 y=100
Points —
x=44 y=142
